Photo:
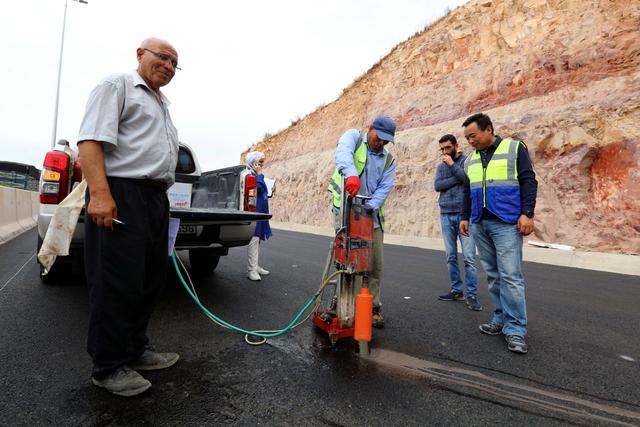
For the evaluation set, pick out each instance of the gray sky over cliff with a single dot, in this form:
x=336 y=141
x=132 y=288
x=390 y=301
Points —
x=249 y=67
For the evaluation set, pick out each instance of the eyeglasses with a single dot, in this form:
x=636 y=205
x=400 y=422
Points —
x=165 y=58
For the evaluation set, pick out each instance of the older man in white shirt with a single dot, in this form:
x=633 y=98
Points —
x=128 y=152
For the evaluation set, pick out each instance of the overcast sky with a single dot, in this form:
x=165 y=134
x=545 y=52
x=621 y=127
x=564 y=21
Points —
x=248 y=67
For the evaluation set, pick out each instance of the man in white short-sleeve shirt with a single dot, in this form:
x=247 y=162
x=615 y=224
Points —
x=128 y=153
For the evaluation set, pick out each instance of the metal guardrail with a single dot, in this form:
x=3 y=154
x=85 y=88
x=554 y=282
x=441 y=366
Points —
x=18 y=180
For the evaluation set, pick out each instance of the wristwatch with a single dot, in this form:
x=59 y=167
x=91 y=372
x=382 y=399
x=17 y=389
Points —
x=529 y=214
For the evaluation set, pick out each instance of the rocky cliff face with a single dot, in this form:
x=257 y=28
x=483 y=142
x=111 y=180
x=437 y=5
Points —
x=562 y=75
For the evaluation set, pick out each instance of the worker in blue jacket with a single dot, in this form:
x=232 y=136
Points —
x=369 y=170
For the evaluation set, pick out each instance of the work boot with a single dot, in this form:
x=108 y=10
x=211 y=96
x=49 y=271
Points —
x=378 y=320
x=124 y=381
x=491 y=328
x=261 y=271
x=516 y=344
x=472 y=303
x=253 y=275
x=452 y=296
x=152 y=361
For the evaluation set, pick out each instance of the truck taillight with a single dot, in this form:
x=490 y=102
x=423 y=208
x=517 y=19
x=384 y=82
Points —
x=54 y=180
x=77 y=171
x=250 y=193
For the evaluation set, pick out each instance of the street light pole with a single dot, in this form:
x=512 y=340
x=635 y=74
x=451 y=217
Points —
x=55 y=111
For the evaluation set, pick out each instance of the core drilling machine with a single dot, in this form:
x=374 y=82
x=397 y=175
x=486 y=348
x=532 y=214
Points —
x=343 y=311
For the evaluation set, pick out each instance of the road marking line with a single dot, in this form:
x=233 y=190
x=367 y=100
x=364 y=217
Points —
x=12 y=277
x=546 y=402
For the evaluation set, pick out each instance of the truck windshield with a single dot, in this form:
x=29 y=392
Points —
x=185 y=162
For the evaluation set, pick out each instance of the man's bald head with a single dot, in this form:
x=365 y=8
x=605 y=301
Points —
x=157 y=62
x=154 y=43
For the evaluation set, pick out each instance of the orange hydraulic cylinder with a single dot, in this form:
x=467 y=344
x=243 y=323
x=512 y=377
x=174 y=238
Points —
x=364 y=316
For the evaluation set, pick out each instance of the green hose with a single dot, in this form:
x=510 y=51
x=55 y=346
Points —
x=235 y=328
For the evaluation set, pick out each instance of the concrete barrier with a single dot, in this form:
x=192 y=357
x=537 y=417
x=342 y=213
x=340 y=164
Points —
x=18 y=212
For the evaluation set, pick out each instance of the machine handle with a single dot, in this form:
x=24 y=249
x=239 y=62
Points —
x=363 y=197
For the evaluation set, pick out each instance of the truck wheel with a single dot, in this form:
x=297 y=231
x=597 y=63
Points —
x=203 y=261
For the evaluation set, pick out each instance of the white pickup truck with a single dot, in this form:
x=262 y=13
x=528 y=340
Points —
x=216 y=208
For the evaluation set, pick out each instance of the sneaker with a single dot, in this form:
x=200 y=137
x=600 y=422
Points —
x=516 y=344
x=253 y=275
x=452 y=296
x=378 y=320
x=491 y=328
x=151 y=361
x=124 y=381
x=261 y=271
x=472 y=303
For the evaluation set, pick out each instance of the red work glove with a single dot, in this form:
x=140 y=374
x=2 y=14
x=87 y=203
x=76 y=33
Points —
x=352 y=185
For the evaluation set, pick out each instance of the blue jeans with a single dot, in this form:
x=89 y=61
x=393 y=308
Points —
x=450 y=223
x=500 y=250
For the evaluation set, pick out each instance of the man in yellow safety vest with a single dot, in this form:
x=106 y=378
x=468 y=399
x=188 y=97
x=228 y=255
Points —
x=370 y=170
x=499 y=198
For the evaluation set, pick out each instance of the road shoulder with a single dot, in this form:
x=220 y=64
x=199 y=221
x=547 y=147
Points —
x=599 y=261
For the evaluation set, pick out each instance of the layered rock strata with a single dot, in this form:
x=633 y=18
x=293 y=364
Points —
x=562 y=75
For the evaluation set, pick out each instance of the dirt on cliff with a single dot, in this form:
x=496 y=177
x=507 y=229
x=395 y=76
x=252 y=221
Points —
x=562 y=75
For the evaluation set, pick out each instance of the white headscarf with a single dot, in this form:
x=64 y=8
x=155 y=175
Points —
x=253 y=158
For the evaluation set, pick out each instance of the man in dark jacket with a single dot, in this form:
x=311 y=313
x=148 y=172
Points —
x=449 y=183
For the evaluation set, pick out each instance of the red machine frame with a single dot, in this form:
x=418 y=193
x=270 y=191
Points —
x=351 y=252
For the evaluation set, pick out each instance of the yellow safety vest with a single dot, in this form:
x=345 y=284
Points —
x=359 y=161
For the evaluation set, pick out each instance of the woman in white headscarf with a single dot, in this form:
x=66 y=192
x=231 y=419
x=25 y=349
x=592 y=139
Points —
x=255 y=162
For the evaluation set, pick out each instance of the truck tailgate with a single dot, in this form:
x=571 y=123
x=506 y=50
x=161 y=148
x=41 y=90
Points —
x=204 y=216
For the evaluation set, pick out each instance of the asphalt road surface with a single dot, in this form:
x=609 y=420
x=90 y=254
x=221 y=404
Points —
x=429 y=366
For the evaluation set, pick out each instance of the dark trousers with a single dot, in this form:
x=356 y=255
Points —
x=126 y=270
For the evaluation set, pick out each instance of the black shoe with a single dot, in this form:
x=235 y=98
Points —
x=491 y=328
x=472 y=303
x=378 y=320
x=516 y=344
x=452 y=296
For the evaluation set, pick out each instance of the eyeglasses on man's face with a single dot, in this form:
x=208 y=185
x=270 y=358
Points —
x=165 y=58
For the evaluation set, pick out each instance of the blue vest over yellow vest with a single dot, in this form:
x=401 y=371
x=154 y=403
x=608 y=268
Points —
x=495 y=187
